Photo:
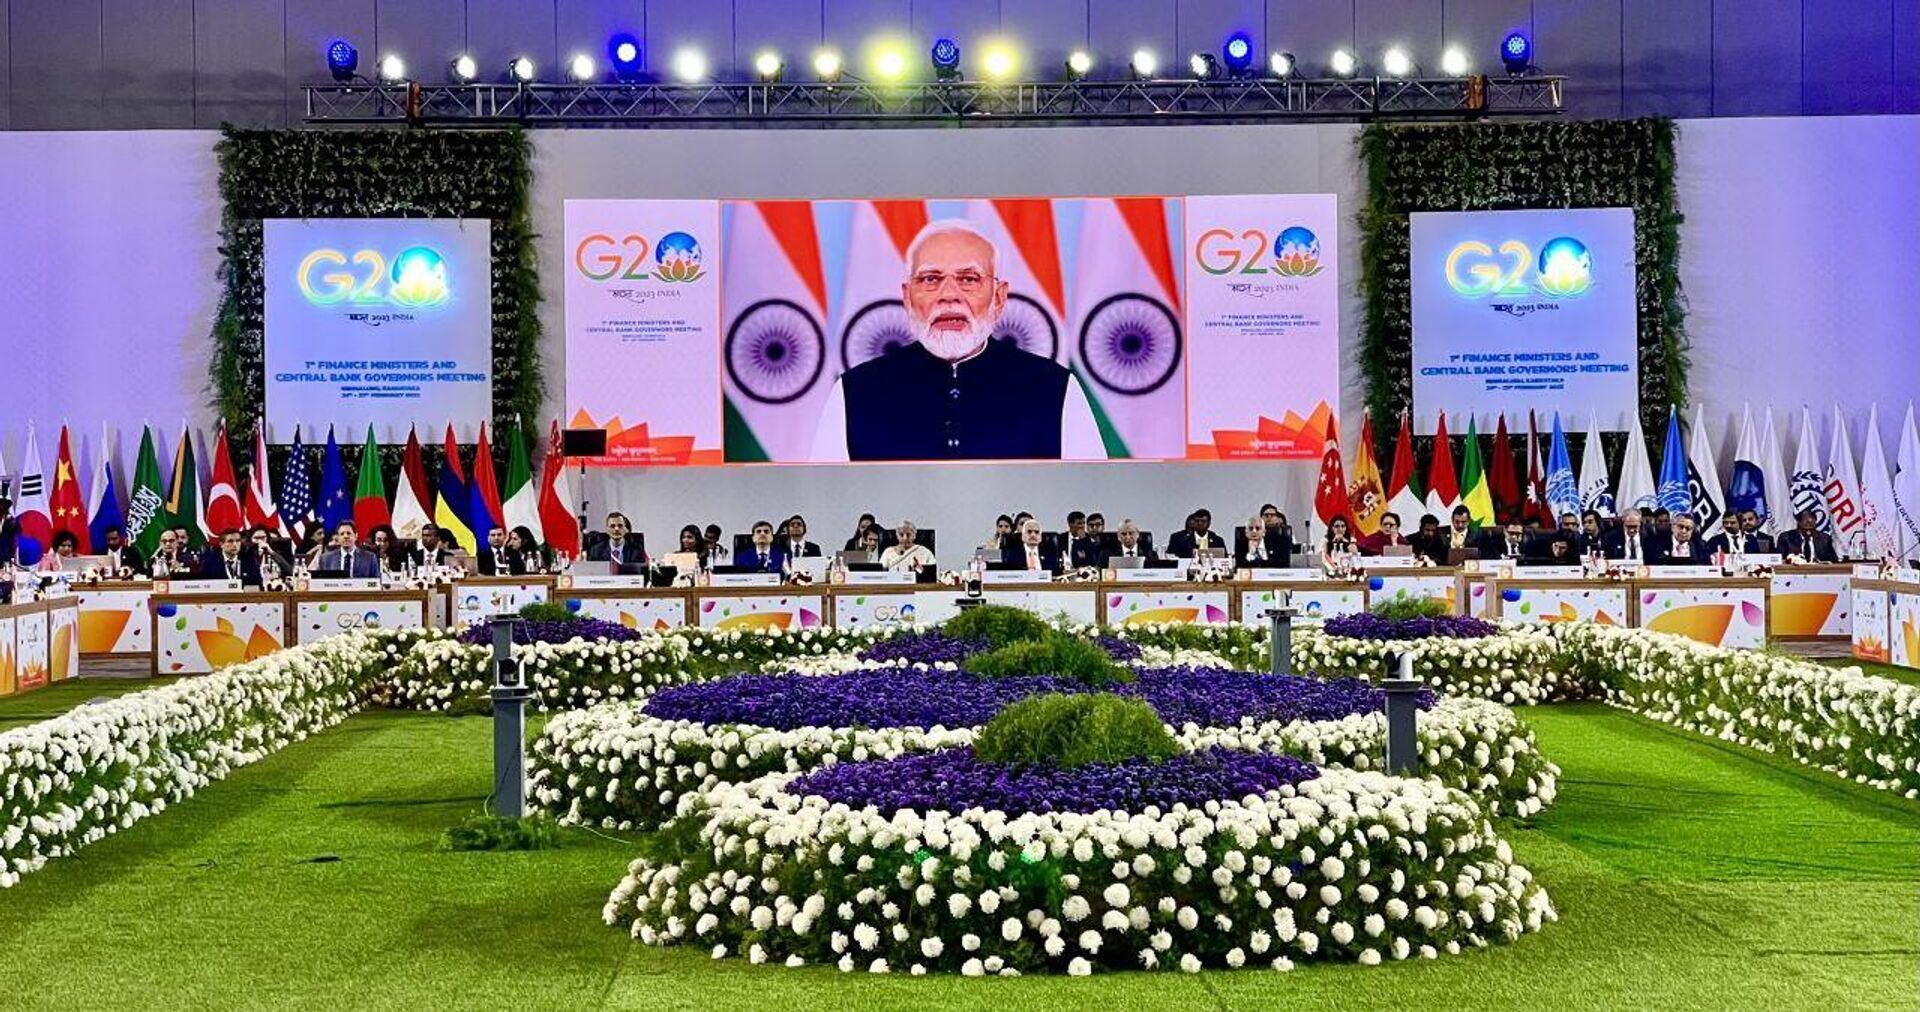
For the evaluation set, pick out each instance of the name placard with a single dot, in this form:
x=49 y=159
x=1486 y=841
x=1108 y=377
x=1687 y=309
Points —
x=880 y=577
x=1286 y=573
x=352 y=585
x=1149 y=576
x=1549 y=573
x=611 y=581
x=993 y=576
x=1683 y=572
x=196 y=586
x=745 y=580
x=1372 y=562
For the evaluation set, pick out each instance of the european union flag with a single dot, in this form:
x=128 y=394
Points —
x=336 y=503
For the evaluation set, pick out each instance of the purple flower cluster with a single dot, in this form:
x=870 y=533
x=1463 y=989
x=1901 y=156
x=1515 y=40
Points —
x=927 y=647
x=913 y=698
x=1368 y=626
x=955 y=780
x=1117 y=648
x=526 y=631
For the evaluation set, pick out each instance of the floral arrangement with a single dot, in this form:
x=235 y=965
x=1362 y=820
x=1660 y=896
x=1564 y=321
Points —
x=100 y=768
x=530 y=631
x=1367 y=625
x=1520 y=665
x=1343 y=865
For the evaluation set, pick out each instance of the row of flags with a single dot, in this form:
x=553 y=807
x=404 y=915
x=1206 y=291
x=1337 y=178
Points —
x=1870 y=512
x=465 y=508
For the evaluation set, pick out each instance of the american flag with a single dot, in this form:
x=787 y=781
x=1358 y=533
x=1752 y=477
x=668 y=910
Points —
x=296 y=491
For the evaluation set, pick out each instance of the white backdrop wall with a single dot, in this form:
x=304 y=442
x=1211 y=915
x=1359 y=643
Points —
x=1800 y=250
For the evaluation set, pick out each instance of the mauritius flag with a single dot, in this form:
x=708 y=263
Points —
x=450 y=497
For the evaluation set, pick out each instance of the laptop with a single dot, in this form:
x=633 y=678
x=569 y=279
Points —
x=813 y=565
x=1456 y=556
x=1397 y=551
x=1123 y=562
x=850 y=558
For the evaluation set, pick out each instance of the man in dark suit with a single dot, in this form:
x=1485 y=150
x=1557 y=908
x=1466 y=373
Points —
x=1806 y=541
x=1131 y=545
x=1429 y=542
x=1750 y=523
x=1257 y=545
x=497 y=559
x=622 y=547
x=9 y=532
x=121 y=555
x=1632 y=542
x=1508 y=542
x=1733 y=538
x=1684 y=547
x=273 y=564
x=1184 y=543
x=793 y=541
x=1032 y=554
x=761 y=556
x=229 y=561
x=428 y=551
x=347 y=557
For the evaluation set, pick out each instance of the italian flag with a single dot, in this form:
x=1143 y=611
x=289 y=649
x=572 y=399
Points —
x=522 y=506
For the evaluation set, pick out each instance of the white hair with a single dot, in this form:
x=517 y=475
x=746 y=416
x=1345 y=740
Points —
x=952 y=226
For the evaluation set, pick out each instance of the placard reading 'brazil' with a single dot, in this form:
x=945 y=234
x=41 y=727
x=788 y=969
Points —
x=1524 y=310
x=385 y=322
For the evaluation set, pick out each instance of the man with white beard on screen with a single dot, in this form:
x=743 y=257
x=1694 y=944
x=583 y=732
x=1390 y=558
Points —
x=955 y=393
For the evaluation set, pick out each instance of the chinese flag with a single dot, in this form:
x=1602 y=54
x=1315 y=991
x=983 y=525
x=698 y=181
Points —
x=68 y=505
x=1330 y=496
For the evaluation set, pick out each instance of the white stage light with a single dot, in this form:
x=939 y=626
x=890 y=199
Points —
x=1079 y=63
x=826 y=65
x=392 y=69
x=768 y=65
x=580 y=67
x=1343 y=63
x=1453 y=62
x=998 y=62
x=465 y=68
x=521 y=69
x=690 y=65
x=1396 y=62
x=1281 y=64
x=1144 y=64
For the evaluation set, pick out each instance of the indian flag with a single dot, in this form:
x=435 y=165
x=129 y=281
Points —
x=774 y=352
x=1124 y=339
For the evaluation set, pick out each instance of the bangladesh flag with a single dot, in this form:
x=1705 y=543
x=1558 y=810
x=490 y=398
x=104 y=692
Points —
x=183 y=495
x=370 y=494
x=146 y=502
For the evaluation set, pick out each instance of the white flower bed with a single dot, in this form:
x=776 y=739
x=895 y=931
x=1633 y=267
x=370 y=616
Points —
x=617 y=767
x=1858 y=726
x=98 y=769
x=1348 y=866
x=1519 y=665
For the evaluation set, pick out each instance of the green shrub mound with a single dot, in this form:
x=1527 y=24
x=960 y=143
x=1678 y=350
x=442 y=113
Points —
x=1056 y=654
x=1069 y=731
x=998 y=624
x=1399 y=609
x=547 y=611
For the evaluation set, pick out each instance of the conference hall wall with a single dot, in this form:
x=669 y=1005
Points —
x=1799 y=251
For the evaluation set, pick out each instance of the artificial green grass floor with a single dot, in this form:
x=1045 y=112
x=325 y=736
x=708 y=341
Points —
x=1687 y=874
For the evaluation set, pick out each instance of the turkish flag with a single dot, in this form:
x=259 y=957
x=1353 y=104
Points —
x=68 y=505
x=223 y=496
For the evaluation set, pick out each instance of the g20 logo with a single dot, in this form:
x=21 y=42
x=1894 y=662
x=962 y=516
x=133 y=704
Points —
x=1295 y=249
x=1564 y=269
x=417 y=278
x=675 y=259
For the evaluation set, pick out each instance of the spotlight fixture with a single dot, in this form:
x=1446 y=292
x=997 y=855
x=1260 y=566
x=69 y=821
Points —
x=1079 y=63
x=623 y=51
x=1238 y=53
x=581 y=69
x=342 y=59
x=690 y=65
x=1516 y=51
x=393 y=69
x=1453 y=62
x=826 y=65
x=998 y=62
x=768 y=66
x=464 y=68
x=1343 y=63
x=1204 y=66
x=1144 y=64
x=1396 y=63
x=946 y=60
x=1281 y=64
x=890 y=64
x=521 y=69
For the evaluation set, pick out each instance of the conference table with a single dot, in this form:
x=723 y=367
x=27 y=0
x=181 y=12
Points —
x=186 y=627
x=1886 y=620
x=39 y=643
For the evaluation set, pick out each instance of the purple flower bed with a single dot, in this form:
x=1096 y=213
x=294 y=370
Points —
x=911 y=698
x=1368 y=626
x=955 y=780
x=525 y=632
x=933 y=646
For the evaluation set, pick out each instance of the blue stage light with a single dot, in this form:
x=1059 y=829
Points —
x=342 y=59
x=1516 y=51
x=623 y=51
x=946 y=59
x=1238 y=52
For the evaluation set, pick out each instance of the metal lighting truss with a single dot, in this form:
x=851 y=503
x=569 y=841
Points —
x=960 y=102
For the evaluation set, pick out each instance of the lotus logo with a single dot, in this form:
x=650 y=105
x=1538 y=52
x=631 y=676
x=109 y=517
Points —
x=419 y=278
x=1566 y=268
x=1296 y=253
x=678 y=258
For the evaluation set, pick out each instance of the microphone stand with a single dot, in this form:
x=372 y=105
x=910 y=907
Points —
x=583 y=500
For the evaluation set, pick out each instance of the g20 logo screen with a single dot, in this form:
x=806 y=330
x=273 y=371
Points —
x=675 y=259
x=416 y=278
x=1564 y=269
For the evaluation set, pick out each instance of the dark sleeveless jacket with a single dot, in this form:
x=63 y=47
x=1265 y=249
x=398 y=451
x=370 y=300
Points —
x=908 y=404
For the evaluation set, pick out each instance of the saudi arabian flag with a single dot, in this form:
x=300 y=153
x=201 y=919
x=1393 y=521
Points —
x=146 y=499
x=183 y=494
x=522 y=506
x=1474 y=494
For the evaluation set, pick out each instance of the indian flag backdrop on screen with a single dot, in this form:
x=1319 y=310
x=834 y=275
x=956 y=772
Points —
x=869 y=319
x=1028 y=242
x=1126 y=338
x=643 y=319
x=774 y=353
x=1263 y=280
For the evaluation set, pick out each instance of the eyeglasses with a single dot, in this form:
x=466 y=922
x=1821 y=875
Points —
x=970 y=282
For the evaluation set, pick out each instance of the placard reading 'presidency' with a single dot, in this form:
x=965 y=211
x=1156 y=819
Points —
x=994 y=328
x=1520 y=310
x=382 y=322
